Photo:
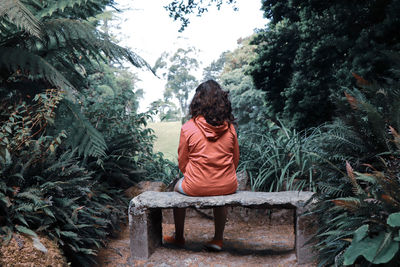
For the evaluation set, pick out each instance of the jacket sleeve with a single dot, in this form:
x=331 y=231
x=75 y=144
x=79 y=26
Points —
x=235 y=148
x=183 y=153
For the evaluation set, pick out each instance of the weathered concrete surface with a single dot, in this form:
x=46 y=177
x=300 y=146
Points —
x=146 y=236
x=145 y=233
x=305 y=229
x=243 y=181
x=163 y=200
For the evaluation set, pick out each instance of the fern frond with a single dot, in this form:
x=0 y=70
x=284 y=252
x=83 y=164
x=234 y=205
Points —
x=81 y=9
x=340 y=135
x=118 y=52
x=331 y=190
x=60 y=5
x=33 y=195
x=20 y=60
x=81 y=36
x=18 y=14
x=83 y=136
x=25 y=207
x=350 y=174
x=366 y=177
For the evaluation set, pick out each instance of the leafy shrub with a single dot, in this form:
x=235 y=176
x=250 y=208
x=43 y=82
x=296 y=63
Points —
x=377 y=239
x=46 y=190
x=45 y=187
x=63 y=161
x=359 y=208
x=129 y=155
x=364 y=221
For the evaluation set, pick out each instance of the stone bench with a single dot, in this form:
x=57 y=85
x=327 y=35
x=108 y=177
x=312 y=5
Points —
x=145 y=216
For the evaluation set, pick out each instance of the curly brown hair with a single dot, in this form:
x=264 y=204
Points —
x=211 y=102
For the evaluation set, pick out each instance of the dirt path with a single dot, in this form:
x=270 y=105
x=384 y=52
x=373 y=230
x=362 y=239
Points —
x=261 y=241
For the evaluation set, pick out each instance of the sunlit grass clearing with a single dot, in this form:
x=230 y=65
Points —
x=167 y=138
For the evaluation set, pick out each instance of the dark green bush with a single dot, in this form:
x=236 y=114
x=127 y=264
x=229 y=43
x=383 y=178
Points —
x=76 y=199
x=358 y=210
x=65 y=158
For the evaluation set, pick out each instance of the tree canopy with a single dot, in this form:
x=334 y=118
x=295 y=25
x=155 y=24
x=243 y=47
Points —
x=247 y=102
x=178 y=70
x=181 y=9
x=310 y=49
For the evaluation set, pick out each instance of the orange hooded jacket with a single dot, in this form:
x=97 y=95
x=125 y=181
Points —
x=208 y=157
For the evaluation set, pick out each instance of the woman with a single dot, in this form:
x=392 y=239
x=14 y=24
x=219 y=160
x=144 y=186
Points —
x=208 y=156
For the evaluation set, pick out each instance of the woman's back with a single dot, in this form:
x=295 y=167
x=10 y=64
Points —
x=208 y=157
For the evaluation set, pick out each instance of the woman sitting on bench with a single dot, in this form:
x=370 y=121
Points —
x=208 y=156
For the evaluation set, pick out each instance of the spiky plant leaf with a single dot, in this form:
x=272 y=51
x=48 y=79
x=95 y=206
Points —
x=24 y=230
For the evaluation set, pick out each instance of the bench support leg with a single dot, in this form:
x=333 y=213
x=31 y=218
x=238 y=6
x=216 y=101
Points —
x=145 y=233
x=305 y=229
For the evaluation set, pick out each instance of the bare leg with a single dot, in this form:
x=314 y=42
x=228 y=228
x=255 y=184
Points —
x=220 y=214
x=179 y=217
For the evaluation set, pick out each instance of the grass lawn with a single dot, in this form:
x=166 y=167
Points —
x=167 y=138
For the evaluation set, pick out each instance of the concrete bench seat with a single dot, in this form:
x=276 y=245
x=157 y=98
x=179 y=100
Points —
x=145 y=216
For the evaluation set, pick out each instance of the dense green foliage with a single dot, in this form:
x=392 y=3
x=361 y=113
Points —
x=248 y=103
x=70 y=136
x=310 y=48
x=357 y=210
x=46 y=189
x=214 y=70
x=356 y=206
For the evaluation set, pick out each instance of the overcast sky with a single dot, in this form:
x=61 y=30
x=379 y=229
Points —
x=149 y=31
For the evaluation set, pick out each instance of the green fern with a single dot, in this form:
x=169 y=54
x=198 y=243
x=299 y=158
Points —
x=18 y=14
x=330 y=189
x=31 y=195
x=61 y=5
x=15 y=60
x=59 y=160
x=82 y=135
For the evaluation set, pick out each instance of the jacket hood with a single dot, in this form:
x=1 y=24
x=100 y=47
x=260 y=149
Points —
x=212 y=133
